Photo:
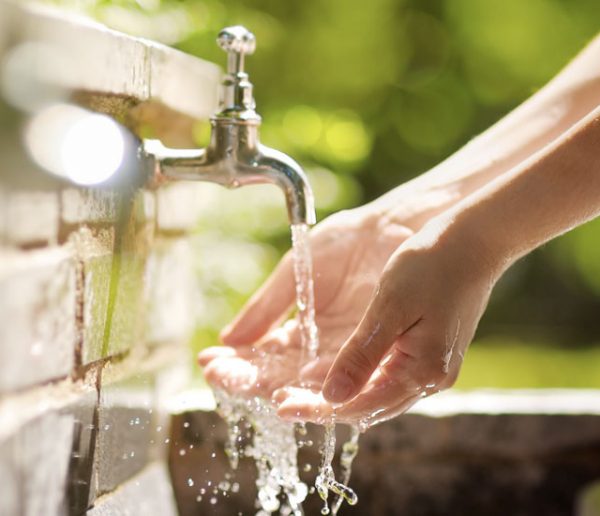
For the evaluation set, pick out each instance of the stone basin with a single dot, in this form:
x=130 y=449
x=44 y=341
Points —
x=518 y=453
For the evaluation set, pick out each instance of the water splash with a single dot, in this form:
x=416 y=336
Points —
x=326 y=481
x=273 y=441
x=349 y=452
x=273 y=448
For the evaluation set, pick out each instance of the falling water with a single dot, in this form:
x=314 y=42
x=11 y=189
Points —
x=273 y=441
x=273 y=448
x=305 y=298
x=326 y=481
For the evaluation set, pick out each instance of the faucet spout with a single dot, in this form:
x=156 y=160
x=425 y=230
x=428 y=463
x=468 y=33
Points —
x=242 y=162
x=289 y=176
x=234 y=156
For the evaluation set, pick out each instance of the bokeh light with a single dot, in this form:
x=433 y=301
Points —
x=87 y=148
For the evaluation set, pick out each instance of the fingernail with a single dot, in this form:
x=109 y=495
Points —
x=338 y=388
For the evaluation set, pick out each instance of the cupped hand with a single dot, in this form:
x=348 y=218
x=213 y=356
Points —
x=412 y=337
x=350 y=249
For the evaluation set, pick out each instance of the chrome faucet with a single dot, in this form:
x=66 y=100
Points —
x=235 y=156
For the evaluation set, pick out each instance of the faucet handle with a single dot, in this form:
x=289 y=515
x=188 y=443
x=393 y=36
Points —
x=237 y=39
x=237 y=100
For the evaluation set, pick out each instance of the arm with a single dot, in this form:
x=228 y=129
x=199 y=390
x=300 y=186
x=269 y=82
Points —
x=571 y=95
x=434 y=289
x=526 y=130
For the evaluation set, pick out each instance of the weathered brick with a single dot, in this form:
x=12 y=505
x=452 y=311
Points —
x=148 y=493
x=172 y=292
x=179 y=205
x=82 y=478
x=38 y=303
x=126 y=431
x=34 y=465
x=29 y=217
x=94 y=254
x=144 y=207
x=81 y=205
x=126 y=311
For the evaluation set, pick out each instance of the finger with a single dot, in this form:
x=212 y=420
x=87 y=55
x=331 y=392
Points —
x=305 y=405
x=270 y=303
x=380 y=400
x=368 y=417
x=400 y=381
x=209 y=354
x=234 y=375
x=313 y=374
x=362 y=352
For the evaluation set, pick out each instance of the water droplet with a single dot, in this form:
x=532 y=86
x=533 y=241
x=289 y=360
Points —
x=186 y=424
x=213 y=500
x=190 y=482
x=182 y=452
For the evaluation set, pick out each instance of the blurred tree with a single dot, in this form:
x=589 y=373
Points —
x=369 y=94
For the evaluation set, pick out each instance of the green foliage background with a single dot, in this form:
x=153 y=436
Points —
x=367 y=95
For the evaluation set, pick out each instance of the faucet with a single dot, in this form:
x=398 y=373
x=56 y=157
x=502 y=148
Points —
x=234 y=156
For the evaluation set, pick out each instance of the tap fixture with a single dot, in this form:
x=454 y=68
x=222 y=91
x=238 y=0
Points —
x=235 y=157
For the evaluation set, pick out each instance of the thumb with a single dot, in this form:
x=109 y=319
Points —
x=361 y=354
x=269 y=304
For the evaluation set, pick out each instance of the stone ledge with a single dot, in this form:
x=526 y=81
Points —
x=447 y=457
x=135 y=80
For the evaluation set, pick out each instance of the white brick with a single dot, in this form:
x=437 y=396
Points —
x=126 y=432
x=33 y=467
x=172 y=292
x=149 y=493
x=37 y=307
x=30 y=217
x=88 y=205
x=94 y=252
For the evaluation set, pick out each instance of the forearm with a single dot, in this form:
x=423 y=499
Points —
x=536 y=123
x=545 y=196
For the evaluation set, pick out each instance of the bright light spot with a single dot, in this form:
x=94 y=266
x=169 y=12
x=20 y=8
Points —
x=92 y=150
x=348 y=139
x=70 y=142
x=302 y=126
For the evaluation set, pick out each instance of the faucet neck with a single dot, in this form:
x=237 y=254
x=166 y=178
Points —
x=237 y=100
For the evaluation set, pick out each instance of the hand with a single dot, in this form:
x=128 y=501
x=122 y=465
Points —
x=412 y=337
x=350 y=250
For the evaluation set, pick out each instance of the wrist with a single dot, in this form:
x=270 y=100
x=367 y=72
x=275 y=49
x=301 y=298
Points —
x=458 y=238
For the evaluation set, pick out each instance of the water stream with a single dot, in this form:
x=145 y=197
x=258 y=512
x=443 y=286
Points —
x=305 y=297
x=255 y=430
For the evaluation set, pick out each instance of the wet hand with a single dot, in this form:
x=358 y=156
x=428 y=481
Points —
x=350 y=250
x=411 y=339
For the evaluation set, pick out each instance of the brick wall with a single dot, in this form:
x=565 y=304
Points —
x=96 y=299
